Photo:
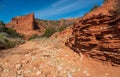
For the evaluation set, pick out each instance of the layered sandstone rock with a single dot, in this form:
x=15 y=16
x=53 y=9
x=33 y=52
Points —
x=22 y=23
x=25 y=25
x=98 y=35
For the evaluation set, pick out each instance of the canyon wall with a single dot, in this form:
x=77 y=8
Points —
x=98 y=35
x=22 y=23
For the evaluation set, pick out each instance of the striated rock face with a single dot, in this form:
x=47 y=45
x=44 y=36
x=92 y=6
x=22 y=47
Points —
x=23 y=23
x=97 y=36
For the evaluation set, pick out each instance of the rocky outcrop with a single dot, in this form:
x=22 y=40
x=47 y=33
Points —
x=22 y=23
x=25 y=25
x=29 y=26
x=97 y=36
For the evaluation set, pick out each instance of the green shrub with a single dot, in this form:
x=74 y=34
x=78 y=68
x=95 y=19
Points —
x=13 y=33
x=61 y=28
x=116 y=10
x=2 y=26
x=33 y=37
x=6 y=43
x=49 y=31
x=9 y=44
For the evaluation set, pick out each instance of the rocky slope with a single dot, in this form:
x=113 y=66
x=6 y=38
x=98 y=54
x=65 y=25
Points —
x=50 y=58
x=98 y=34
x=95 y=36
x=29 y=26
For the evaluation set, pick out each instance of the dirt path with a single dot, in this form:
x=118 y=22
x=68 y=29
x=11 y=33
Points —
x=50 y=58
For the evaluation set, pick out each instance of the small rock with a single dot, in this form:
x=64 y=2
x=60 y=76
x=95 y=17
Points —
x=38 y=72
x=106 y=74
x=33 y=58
x=64 y=71
x=34 y=68
x=69 y=74
x=1 y=69
x=59 y=68
x=5 y=63
x=20 y=76
x=6 y=70
x=18 y=66
x=78 y=69
x=74 y=70
x=19 y=72
x=26 y=55
x=84 y=72
x=66 y=55
x=28 y=71
x=87 y=74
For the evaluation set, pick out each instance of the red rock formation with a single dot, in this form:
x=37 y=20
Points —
x=22 y=23
x=98 y=35
x=25 y=25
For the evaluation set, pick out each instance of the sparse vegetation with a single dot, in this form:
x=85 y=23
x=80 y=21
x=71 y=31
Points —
x=118 y=7
x=49 y=31
x=116 y=10
x=5 y=42
x=8 y=37
x=13 y=32
x=61 y=28
x=33 y=37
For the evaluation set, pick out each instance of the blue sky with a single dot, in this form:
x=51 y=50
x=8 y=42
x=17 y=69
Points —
x=46 y=9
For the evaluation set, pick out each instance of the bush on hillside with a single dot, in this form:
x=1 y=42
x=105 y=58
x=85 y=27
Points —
x=8 y=37
x=2 y=26
x=61 y=28
x=33 y=37
x=13 y=33
x=49 y=31
x=6 y=43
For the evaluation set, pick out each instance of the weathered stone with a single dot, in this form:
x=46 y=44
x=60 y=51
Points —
x=38 y=72
x=1 y=69
x=98 y=32
x=22 y=23
x=25 y=25
x=18 y=66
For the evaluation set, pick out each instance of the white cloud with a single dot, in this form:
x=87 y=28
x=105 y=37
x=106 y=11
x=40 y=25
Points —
x=63 y=7
x=59 y=3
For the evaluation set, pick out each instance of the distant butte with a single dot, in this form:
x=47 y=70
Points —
x=25 y=25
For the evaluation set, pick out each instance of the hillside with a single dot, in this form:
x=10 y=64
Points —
x=29 y=26
x=88 y=47
x=9 y=38
x=97 y=34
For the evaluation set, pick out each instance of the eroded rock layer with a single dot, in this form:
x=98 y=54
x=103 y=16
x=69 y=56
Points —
x=23 y=23
x=97 y=36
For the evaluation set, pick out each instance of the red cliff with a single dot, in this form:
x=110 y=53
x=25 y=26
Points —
x=98 y=33
x=25 y=25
